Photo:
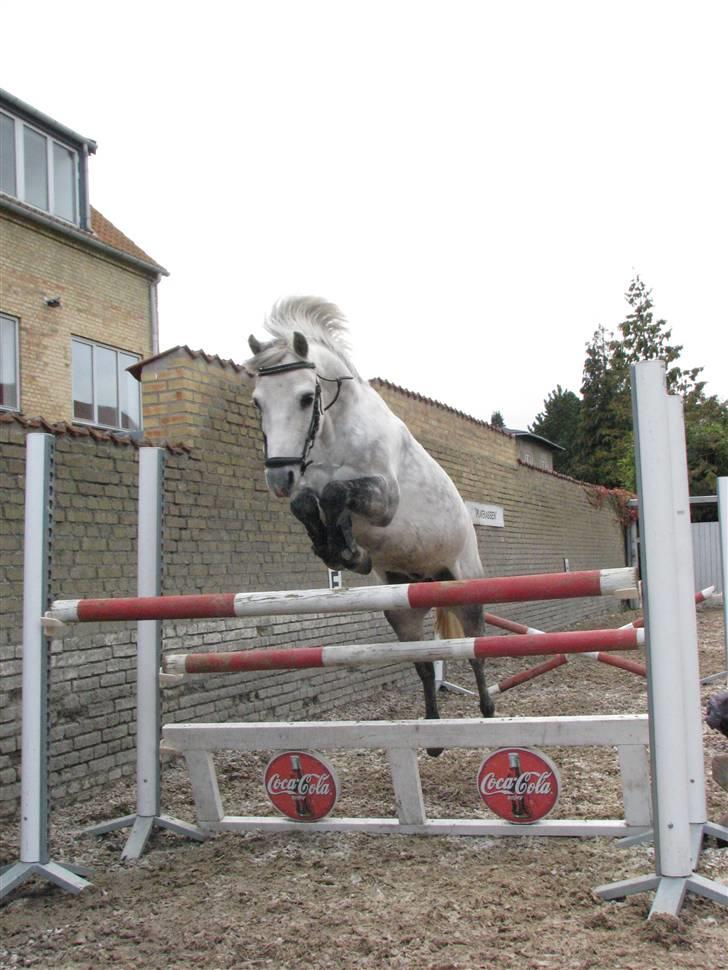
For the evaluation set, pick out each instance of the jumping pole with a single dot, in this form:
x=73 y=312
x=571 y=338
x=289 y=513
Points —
x=620 y=583
x=417 y=651
x=668 y=601
x=34 y=855
x=148 y=815
x=723 y=533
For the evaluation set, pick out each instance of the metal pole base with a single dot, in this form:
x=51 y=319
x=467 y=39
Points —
x=454 y=688
x=66 y=875
x=670 y=892
x=442 y=684
x=714 y=678
x=698 y=832
x=142 y=827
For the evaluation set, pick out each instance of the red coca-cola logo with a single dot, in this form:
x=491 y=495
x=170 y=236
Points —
x=519 y=784
x=301 y=785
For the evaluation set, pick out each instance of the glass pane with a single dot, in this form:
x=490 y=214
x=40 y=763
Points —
x=64 y=183
x=7 y=155
x=83 y=382
x=106 y=390
x=129 y=394
x=8 y=363
x=36 y=168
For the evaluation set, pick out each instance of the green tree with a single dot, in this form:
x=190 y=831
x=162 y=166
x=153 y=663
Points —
x=706 y=433
x=607 y=441
x=644 y=338
x=560 y=422
x=497 y=420
x=605 y=412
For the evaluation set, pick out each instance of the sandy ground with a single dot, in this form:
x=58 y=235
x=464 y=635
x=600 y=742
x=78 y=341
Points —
x=340 y=901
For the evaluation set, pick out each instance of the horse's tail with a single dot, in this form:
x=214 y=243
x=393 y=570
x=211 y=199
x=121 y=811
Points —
x=447 y=625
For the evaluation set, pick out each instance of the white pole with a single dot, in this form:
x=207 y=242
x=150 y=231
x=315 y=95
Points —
x=149 y=632
x=34 y=857
x=149 y=651
x=723 y=533
x=668 y=746
x=688 y=625
x=38 y=524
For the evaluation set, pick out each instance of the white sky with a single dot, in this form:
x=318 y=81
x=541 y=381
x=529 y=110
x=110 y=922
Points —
x=474 y=183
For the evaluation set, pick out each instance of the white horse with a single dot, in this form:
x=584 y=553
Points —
x=368 y=494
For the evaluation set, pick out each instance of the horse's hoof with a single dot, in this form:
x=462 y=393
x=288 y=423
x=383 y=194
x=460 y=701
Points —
x=362 y=564
x=434 y=752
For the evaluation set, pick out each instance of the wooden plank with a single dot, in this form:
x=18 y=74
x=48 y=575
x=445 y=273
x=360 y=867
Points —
x=580 y=828
x=449 y=733
x=205 y=790
x=407 y=786
x=635 y=769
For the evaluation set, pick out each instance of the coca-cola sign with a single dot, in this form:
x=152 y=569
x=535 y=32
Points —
x=301 y=785
x=519 y=784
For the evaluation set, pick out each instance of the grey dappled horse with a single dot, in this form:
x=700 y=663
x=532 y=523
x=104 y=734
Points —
x=368 y=494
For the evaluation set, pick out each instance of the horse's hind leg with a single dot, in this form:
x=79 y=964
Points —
x=408 y=625
x=471 y=618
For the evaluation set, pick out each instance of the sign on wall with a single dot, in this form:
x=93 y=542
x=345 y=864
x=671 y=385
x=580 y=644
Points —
x=491 y=515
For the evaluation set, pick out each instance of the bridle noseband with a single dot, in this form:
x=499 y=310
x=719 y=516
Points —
x=318 y=410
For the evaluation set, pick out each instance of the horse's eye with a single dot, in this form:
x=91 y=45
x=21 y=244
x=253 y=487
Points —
x=256 y=404
x=306 y=401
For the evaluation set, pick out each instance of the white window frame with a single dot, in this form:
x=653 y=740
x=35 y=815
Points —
x=50 y=140
x=16 y=322
x=95 y=423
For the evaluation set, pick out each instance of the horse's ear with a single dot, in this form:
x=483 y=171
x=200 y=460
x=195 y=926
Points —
x=300 y=344
x=255 y=345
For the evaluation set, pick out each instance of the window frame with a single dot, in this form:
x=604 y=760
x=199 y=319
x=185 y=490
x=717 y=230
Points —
x=50 y=141
x=16 y=321
x=120 y=372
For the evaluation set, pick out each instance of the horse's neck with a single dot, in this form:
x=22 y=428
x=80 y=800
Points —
x=360 y=431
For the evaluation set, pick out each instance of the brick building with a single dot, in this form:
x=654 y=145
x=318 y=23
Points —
x=78 y=298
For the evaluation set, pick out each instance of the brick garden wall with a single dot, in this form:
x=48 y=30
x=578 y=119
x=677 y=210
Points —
x=223 y=532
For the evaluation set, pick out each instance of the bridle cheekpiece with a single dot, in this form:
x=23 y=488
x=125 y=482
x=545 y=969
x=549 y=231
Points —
x=317 y=412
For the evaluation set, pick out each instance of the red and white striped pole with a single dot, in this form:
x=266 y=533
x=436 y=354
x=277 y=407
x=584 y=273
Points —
x=345 y=655
x=623 y=663
x=511 y=589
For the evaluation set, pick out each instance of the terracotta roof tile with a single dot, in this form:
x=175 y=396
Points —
x=437 y=404
x=64 y=428
x=136 y=369
x=107 y=233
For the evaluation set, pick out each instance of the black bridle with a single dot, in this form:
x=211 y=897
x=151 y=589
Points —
x=317 y=412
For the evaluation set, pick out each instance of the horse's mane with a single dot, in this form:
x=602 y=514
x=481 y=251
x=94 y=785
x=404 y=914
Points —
x=320 y=322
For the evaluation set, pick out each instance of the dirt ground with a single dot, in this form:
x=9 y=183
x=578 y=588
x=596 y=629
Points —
x=341 y=901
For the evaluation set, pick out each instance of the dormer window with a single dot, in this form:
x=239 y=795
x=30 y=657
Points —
x=38 y=169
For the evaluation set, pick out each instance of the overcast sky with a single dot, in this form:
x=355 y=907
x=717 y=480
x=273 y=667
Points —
x=474 y=183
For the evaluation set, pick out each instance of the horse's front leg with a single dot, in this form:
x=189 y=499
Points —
x=305 y=507
x=371 y=497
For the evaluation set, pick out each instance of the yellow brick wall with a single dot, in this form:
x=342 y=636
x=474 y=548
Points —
x=101 y=300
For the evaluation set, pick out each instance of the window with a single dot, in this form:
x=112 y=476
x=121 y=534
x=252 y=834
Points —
x=37 y=169
x=103 y=392
x=9 y=383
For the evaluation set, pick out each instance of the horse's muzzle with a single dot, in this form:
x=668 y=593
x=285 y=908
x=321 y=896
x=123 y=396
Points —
x=281 y=481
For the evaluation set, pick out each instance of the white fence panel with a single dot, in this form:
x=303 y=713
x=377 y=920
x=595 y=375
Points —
x=706 y=555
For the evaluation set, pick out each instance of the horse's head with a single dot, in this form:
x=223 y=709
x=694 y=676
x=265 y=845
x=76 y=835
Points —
x=287 y=395
x=308 y=348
